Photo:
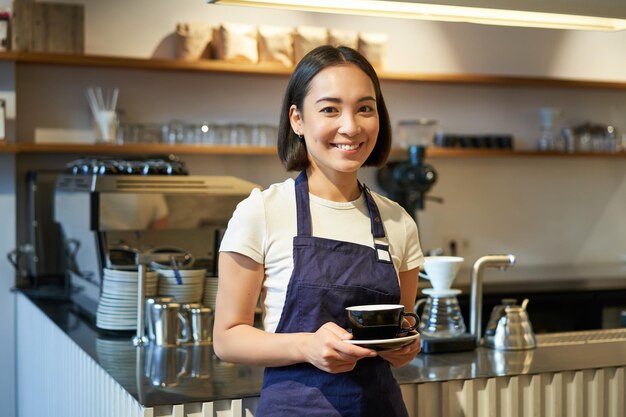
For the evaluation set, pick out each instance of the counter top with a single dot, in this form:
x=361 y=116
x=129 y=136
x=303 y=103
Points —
x=160 y=376
x=541 y=278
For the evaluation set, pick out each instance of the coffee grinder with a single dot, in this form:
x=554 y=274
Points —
x=407 y=182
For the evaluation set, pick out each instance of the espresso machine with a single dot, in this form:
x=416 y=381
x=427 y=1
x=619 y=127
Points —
x=107 y=219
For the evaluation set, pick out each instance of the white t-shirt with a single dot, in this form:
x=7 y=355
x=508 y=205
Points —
x=264 y=224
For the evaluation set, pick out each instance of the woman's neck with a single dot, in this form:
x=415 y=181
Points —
x=338 y=186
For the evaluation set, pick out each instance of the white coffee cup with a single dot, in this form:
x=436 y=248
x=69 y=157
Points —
x=441 y=270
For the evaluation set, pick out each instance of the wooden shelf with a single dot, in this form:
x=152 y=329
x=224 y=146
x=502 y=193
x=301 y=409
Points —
x=214 y=66
x=8 y=148
x=100 y=149
x=499 y=153
x=138 y=149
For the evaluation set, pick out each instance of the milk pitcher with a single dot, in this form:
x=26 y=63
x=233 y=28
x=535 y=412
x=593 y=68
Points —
x=168 y=322
x=165 y=365
x=150 y=301
x=199 y=323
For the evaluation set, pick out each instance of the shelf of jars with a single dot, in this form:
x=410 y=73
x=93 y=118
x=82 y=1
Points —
x=135 y=149
x=215 y=66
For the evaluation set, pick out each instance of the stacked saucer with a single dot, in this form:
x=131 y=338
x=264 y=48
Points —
x=210 y=292
x=117 y=308
x=118 y=358
x=224 y=371
x=185 y=288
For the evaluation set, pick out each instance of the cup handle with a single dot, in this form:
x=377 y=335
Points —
x=418 y=303
x=184 y=362
x=14 y=258
x=409 y=329
x=185 y=336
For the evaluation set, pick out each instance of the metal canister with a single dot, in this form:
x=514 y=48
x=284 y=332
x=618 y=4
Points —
x=201 y=324
x=150 y=301
x=167 y=320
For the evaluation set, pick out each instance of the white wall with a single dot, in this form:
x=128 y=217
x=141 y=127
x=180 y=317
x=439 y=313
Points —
x=546 y=211
x=515 y=196
x=7 y=243
x=7 y=299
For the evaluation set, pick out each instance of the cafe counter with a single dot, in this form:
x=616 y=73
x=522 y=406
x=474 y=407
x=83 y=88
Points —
x=66 y=367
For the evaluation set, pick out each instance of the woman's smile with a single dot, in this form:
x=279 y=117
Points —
x=348 y=147
x=338 y=120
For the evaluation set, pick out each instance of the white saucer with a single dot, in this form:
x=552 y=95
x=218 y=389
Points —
x=441 y=293
x=385 y=344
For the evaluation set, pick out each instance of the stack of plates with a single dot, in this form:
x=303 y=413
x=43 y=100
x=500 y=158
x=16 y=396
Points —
x=210 y=292
x=189 y=290
x=224 y=371
x=117 y=309
x=118 y=358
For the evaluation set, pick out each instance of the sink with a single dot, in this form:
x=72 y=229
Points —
x=581 y=337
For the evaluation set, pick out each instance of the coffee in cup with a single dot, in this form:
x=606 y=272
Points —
x=378 y=321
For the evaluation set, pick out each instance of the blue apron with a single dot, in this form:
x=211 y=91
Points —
x=328 y=276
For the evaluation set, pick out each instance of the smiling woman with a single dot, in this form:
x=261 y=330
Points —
x=339 y=125
x=314 y=246
x=336 y=68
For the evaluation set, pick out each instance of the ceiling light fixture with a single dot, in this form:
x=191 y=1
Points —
x=422 y=11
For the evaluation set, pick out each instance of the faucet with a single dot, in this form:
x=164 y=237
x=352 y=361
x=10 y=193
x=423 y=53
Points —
x=476 y=282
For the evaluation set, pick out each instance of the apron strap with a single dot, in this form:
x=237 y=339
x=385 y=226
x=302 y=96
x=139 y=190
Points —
x=381 y=244
x=378 y=231
x=303 y=208
x=304 y=215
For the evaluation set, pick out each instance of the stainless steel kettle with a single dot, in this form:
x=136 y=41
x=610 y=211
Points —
x=509 y=327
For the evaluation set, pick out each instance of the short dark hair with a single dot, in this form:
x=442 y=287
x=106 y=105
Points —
x=291 y=150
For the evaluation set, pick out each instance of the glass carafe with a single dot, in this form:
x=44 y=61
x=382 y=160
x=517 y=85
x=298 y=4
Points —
x=441 y=315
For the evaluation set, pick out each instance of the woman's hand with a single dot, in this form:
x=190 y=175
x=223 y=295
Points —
x=402 y=356
x=408 y=291
x=327 y=350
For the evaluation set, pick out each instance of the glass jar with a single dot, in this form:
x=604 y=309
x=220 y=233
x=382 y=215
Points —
x=416 y=132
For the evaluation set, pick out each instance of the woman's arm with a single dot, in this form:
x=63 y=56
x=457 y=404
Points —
x=408 y=289
x=237 y=340
x=408 y=293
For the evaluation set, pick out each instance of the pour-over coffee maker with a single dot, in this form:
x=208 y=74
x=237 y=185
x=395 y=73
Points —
x=441 y=326
x=445 y=335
